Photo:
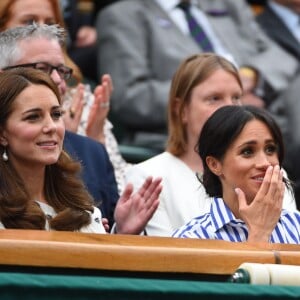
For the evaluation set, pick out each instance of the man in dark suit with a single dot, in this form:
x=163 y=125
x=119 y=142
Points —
x=32 y=47
x=280 y=19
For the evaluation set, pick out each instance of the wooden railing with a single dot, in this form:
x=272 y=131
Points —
x=135 y=253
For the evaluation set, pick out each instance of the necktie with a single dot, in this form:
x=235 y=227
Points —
x=195 y=29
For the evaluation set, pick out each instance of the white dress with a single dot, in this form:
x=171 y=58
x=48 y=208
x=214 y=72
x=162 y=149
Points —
x=183 y=197
x=94 y=227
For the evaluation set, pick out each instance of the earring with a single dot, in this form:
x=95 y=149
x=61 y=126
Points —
x=4 y=155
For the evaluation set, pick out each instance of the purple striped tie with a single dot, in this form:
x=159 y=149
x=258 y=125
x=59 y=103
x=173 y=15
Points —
x=195 y=29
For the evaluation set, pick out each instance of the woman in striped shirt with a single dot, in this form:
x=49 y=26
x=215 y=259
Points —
x=242 y=152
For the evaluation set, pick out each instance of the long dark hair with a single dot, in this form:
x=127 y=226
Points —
x=220 y=131
x=64 y=191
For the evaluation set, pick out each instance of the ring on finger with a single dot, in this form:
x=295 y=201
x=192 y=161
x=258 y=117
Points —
x=72 y=113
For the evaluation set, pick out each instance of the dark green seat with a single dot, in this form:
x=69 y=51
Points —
x=135 y=154
x=131 y=153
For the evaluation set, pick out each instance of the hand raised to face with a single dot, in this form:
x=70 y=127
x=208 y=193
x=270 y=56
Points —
x=262 y=214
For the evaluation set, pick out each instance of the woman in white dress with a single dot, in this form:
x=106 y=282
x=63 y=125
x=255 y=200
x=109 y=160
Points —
x=86 y=109
x=39 y=183
x=202 y=84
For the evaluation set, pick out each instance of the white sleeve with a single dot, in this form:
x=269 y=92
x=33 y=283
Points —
x=96 y=225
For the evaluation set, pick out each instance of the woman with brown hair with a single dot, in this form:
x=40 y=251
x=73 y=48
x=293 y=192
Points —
x=39 y=182
x=242 y=150
x=86 y=110
x=202 y=84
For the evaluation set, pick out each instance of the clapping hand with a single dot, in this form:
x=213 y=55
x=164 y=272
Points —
x=99 y=109
x=76 y=103
x=134 y=210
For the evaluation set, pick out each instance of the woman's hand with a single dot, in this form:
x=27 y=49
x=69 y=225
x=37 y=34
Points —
x=99 y=109
x=262 y=215
x=105 y=224
x=86 y=36
x=133 y=211
x=73 y=114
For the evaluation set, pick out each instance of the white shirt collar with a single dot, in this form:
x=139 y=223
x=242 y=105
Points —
x=169 y=5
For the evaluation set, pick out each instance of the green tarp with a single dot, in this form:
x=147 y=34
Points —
x=25 y=286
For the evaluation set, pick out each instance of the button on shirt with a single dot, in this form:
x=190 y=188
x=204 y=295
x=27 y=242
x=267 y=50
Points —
x=221 y=224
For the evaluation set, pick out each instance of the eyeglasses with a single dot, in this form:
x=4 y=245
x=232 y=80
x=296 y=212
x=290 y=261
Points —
x=64 y=72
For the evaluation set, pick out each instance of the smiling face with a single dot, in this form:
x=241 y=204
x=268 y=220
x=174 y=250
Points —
x=247 y=159
x=219 y=89
x=34 y=130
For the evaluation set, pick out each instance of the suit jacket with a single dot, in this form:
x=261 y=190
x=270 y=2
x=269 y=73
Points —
x=141 y=47
x=97 y=171
x=277 y=30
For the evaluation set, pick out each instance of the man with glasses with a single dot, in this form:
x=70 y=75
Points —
x=63 y=71
x=40 y=47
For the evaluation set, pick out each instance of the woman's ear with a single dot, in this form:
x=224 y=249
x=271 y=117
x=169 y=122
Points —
x=214 y=165
x=3 y=140
x=179 y=113
x=177 y=105
x=184 y=116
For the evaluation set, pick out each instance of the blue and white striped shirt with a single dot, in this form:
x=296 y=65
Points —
x=221 y=224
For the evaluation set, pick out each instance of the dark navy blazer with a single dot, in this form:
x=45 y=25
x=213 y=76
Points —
x=97 y=171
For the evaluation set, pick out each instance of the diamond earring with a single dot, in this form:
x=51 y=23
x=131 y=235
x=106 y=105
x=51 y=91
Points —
x=4 y=155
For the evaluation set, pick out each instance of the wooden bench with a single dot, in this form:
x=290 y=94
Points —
x=135 y=253
x=66 y=265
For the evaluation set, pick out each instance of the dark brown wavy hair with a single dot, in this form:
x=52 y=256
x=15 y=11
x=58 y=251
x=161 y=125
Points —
x=64 y=190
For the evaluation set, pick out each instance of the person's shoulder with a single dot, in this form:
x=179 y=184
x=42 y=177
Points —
x=124 y=5
x=153 y=166
x=231 y=6
x=97 y=214
x=157 y=162
x=84 y=147
x=286 y=213
x=83 y=140
x=198 y=227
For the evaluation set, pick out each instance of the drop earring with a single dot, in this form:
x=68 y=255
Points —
x=4 y=155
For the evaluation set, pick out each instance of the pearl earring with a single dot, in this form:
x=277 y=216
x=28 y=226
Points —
x=4 y=155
